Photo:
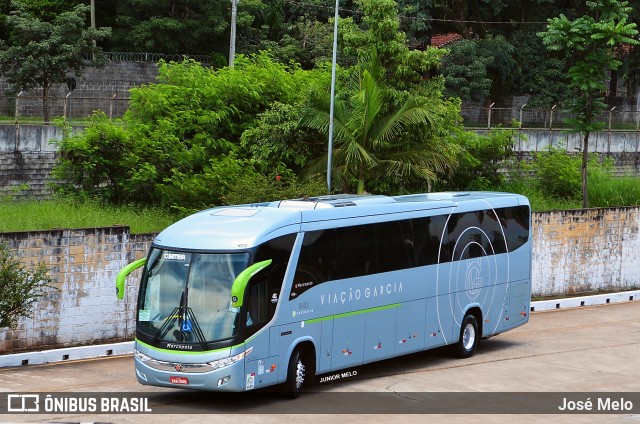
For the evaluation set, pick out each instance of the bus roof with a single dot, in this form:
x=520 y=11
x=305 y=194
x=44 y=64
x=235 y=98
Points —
x=245 y=226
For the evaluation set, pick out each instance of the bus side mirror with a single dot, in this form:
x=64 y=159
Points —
x=122 y=275
x=241 y=281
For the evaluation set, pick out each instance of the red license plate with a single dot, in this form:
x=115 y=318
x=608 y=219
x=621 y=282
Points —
x=178 y=380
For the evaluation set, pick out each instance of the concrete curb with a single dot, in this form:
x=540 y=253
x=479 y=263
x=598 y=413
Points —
x=66 y=354
x=576 y=302
x=126 y=348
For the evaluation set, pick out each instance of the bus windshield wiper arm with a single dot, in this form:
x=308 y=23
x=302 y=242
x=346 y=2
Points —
x=188 y=315
x=183 y=315
x=168 y=323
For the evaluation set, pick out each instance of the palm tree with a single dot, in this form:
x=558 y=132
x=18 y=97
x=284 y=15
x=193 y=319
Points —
x=371 y=144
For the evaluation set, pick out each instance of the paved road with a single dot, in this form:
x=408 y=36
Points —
x=590 y=349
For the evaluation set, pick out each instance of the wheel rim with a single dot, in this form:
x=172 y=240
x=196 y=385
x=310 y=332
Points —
x=469 y=336
x=299 y=374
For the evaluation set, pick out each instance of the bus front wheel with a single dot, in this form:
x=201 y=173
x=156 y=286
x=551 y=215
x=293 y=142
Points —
x=469 y=337
x=296 y=374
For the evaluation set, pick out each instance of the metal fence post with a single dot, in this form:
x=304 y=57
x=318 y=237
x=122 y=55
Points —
x=64 y=107
x=17 y=106
x=113 y=98
x=609 y=132
x=489 y=116
x=520 y=130
x=17 y=142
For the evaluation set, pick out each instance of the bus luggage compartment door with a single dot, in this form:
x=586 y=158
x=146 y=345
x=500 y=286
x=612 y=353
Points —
x=348 y=341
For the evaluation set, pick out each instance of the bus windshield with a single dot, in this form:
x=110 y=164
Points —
x=186 y=297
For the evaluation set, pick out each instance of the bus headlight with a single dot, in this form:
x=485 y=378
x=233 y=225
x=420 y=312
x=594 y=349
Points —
x=141 y=356
x=221 y=363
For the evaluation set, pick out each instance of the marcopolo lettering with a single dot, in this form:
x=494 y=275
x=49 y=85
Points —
x=179 y=346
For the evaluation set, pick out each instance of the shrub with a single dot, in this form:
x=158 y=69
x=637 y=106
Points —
x=607 y=191
x=20 y=287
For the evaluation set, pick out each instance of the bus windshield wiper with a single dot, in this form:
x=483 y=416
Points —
x=187 y=324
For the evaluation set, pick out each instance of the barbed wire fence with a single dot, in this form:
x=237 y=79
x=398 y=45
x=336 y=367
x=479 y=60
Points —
x=112 y=97
x=97 y=90
x=553 y=118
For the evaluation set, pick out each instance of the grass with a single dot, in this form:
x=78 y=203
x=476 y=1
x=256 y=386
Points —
x=39 y=120
x=603 y=191
x=539 y=201
x=614 y=191
x=17 y=215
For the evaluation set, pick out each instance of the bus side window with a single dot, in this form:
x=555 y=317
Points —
x=278 y=250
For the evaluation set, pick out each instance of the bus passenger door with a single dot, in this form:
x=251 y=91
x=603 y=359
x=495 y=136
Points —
x=261 y=300
x=326 y=346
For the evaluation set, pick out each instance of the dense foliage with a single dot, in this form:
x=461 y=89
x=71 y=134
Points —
x=590 y=42
x=179 y=143
x=500 y=45
x=202 y=136
x=205 y=134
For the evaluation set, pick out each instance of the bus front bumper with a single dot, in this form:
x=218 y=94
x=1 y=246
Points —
x=226 y=375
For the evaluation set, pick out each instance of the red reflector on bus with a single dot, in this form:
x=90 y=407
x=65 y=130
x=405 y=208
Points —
x=178 y=380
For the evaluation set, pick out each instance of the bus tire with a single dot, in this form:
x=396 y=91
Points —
x=296 y=374
x=469 y=337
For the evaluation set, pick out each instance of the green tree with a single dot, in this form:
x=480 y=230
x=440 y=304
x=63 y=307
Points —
x=481 y=159
x=590 y=42
x=178 y=143
x=416 y=23
x=465 y=71
x=171 y=26
x=500 y=68
x=277 y=140
x=20 y=287
x=544 y=81
x=97 y=161
x=367 y=139
x=47 y=10
x=38 y=53
x=379 y=36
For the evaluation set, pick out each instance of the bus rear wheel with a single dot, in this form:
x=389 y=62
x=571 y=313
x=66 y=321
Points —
x=469 y=337
x=296 y=374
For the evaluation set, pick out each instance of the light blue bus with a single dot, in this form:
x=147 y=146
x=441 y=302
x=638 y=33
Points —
x=243 y=297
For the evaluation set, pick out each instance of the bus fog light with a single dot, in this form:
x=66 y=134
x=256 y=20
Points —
x=224 y=380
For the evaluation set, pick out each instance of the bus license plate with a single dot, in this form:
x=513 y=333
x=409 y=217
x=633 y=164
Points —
x=178 y=380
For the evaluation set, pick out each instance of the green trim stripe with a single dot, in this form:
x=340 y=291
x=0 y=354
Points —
x=349 y=314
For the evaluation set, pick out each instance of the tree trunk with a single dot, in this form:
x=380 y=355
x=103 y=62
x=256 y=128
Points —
x=585 y=161
x=360 y=186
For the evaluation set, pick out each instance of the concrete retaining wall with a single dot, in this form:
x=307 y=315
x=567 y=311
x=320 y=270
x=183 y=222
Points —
x=84 y=309
x=581 y=251
x=578 y=251
x=28 y=152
